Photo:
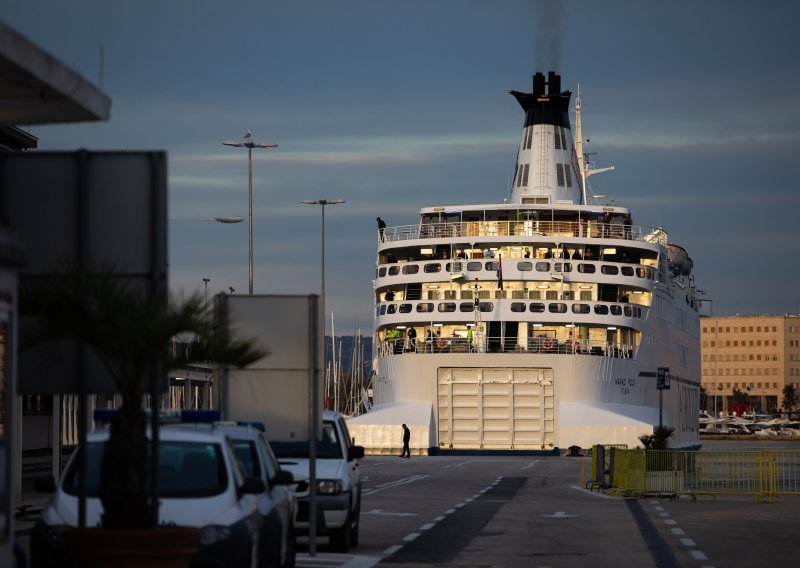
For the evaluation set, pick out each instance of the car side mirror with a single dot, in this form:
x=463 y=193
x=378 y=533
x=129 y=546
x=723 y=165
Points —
x=252 y=485
x=355 y=453
x=282 y=477
x=44 y=483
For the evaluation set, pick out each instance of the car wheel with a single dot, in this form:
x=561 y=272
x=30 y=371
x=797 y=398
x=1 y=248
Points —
x=340 y=538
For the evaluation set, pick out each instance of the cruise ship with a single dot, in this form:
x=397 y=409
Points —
x=541 y=322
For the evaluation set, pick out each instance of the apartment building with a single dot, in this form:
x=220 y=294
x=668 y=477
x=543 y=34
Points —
x=757 y=355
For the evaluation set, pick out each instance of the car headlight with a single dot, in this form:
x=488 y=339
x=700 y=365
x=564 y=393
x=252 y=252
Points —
x=329 y=486
x=213 y=534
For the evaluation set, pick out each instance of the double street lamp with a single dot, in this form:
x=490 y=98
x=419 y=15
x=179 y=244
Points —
x=247 y=142
x=322 y=203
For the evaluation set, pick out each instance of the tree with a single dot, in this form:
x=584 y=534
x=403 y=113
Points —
x=659 y=439
x=789 y=398
x=130 y=332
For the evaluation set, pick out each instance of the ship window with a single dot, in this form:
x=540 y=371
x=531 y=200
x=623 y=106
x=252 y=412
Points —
x=525 y=169
x=433 y=267
x=382 y=272
x=394 y=270
x=637 y=312
x=383 y=310
x=567 y=174
x=425 y=307
x=543 y=267
x=560 y=174
x=557 y=138
x=601 y=310
x=536 y=307
x=567 y=267
x=466 y=307
x=627 y=310
x=580 y=308
x=405 y=308
x=391 y=309
x=551 y=295
x=492 y=266
x=454 y=267
x=486 y=306
x=641 y=273
x=586 y=268
x=524 y=266
x=557 y=308
x=627 y=270
x=608 y=269
x=447 y=307
x=563 y=138
x=616 y=310
x=517 y=306
x=586 y=295
x=410 y=269
x=474 y=266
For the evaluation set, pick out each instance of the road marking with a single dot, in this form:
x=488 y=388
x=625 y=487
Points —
x=427 y=526
x=382 y=512
x=391 y=484
x=449 y=511
x=698 y=555
x=458 y=464
x=393 y=549
x=664 y=514
x=530 y=464
x=411 y=537
x=687 y=542
x=559 y=515
x=658 y=507
x=678 y=530
x=670 y=522
x=593 y=493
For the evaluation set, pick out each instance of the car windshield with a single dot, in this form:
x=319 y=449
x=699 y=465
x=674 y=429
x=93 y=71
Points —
x=327 y=448
x=186 y=469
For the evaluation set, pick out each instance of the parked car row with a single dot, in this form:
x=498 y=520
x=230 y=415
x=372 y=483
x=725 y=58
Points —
x=220 y=477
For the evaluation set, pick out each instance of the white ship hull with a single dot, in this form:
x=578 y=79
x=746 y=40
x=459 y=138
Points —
x=537 y=323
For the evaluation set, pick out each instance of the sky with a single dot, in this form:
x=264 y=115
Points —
x=394 y=106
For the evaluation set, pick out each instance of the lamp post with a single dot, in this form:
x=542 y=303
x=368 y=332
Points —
x=247 y=142
x=206 y=281
x=322 y=203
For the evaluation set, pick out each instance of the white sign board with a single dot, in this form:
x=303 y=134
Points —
x=277 y=389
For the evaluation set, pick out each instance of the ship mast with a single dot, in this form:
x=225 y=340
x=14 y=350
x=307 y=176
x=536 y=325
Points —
x=583 y=160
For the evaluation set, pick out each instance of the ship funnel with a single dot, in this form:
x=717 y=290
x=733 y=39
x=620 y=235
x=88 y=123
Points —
x=538 y=85
x=553 y=83
x=546 y=170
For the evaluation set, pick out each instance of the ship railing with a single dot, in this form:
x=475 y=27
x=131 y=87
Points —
x=533 y=345
x=581 y=229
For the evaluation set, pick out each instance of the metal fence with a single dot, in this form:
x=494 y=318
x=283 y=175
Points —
x=765 y=474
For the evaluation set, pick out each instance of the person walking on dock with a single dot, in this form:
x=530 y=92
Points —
x=406 y=439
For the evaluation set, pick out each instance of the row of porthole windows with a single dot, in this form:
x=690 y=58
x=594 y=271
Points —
x=522 y=266
x=533 y=307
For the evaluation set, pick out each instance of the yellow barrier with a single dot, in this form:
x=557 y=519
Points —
x=764 y=474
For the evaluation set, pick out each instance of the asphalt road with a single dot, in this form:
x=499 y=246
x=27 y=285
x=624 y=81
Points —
x=534 y=512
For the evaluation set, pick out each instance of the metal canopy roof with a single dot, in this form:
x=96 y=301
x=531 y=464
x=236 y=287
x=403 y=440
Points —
x=37 y=88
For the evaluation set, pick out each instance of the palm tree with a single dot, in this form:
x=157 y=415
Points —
x=659 y=439
x=789 y=398
x=130 y=332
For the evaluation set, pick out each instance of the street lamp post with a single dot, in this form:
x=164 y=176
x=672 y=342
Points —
x=206 y=281
x=247 y=142
x=322 y=203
